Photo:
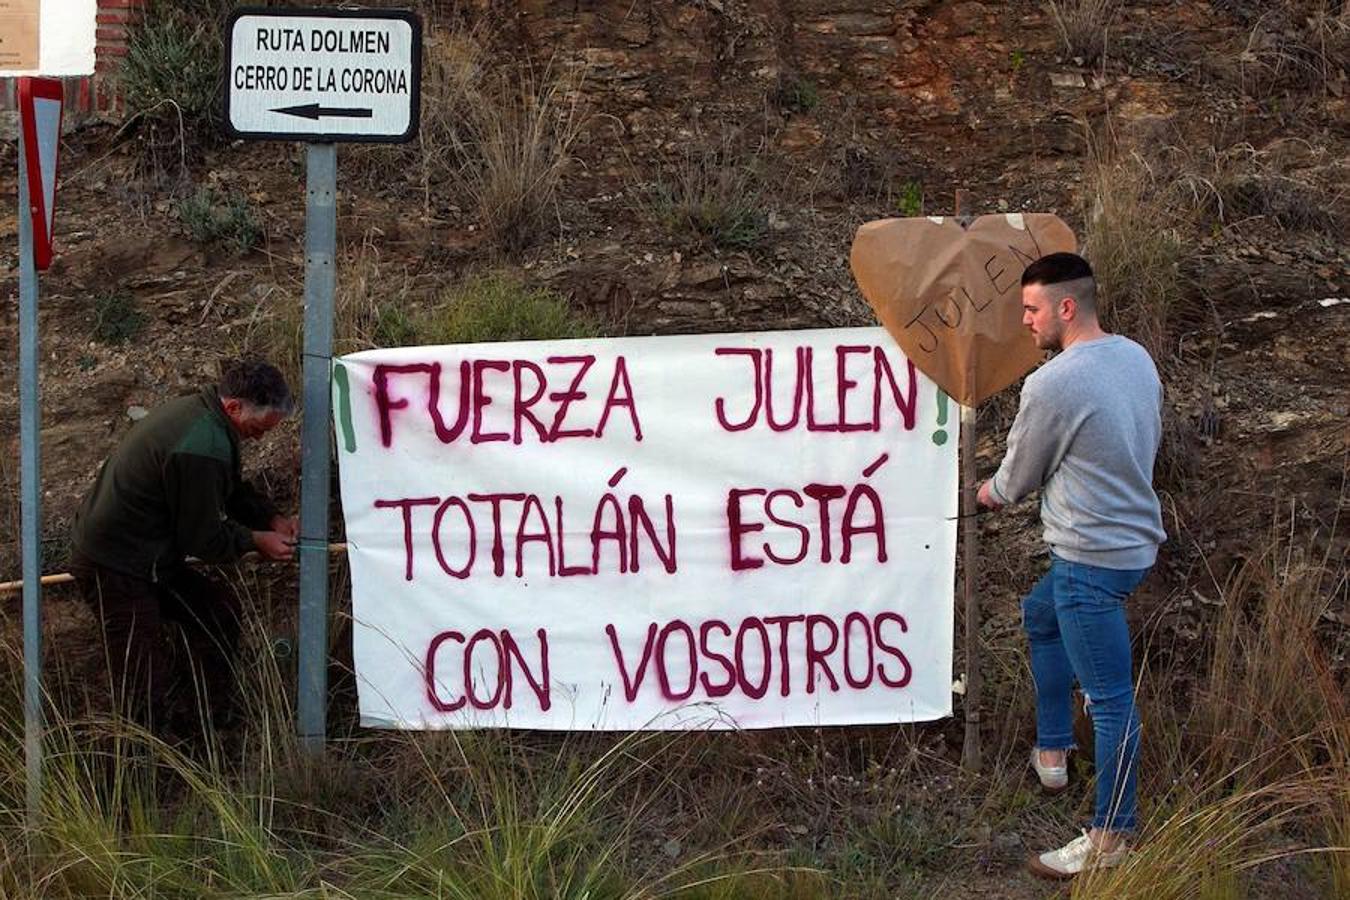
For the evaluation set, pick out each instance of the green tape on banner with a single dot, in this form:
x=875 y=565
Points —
x=345 y=407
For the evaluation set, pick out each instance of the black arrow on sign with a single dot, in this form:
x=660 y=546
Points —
x=313 y=111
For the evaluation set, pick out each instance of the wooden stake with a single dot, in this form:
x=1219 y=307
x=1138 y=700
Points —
x=9 y=587
x=970 y=749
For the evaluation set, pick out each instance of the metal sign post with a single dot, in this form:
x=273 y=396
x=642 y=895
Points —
x=40 y=104
x=321 y=76
x=31 y=497
x=320 y=286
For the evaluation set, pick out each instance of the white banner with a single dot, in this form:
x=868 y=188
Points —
x=727 y=531
x=47 y=37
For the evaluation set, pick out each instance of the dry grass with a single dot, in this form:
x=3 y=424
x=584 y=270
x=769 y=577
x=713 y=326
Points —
x=1204 y=846
x=1291 y=185
x=517 y=145
x=1292 y=45
x=374 y=306
x=1135 y=236
x=493 y=138
x=454 y=60
x=1251 y=765
x=1269 y=680
x=1083 y=26
x=708 y=194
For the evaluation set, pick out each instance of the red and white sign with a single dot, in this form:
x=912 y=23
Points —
x=711 y=531
x=40 y=103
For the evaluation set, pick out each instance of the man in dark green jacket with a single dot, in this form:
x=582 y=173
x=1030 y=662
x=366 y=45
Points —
x=173 y=489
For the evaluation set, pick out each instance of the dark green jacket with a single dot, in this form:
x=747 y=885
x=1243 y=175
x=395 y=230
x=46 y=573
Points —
x=171 y=489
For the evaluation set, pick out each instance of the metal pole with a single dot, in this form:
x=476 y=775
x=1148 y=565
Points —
x=320 y=285
x=31 y=499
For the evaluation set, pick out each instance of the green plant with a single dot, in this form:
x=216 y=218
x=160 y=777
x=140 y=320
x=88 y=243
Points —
x=170 y=79
x=211 y=218
x=796 y=94
x=710 y=194
x=910 y=200
x=117 y=317
x=1018 y=58
x=393 y=327
x=498 y=308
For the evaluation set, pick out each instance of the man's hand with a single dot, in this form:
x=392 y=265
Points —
x=286 y=526
x=273 y=545
x=986 y=496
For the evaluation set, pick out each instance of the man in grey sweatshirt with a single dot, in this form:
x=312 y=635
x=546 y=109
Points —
x=1086 y=434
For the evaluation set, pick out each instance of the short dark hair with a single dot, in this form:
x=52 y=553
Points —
x=1064 y=275
x=256 y=382
x=1057 y=268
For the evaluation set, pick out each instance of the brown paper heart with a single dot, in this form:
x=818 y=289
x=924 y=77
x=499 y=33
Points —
x=951 y=296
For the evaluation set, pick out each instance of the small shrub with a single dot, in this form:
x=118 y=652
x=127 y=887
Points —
x=910 y=200
x=170 y=78
x=796 y=94
x=516 y=144
x=117 y=317
x=1083 y=25
x=215 y=218
x=497 y=308
x=712 y=195
x=371 y=309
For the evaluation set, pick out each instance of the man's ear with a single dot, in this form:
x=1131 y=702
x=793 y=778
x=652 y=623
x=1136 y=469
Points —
x=1068 y=309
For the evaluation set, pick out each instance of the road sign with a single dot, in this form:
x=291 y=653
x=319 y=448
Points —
x=40 y=102
x=323 y=75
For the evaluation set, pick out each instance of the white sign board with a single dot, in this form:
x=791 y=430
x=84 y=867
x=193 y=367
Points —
x=727 y=531
x=47 y=37
x=323 y=75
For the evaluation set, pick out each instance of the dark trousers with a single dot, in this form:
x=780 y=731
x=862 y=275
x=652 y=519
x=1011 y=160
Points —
x=143 y=649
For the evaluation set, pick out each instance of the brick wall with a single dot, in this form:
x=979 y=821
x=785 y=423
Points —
x=96 y=94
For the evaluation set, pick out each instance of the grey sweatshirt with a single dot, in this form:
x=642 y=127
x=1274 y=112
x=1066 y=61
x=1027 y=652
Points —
x=1087 y=432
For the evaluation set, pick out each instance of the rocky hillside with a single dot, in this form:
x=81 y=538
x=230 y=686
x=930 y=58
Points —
x=707 y=164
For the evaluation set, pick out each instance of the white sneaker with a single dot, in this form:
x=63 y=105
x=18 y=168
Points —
x=1076 y=856
x=1054 y=779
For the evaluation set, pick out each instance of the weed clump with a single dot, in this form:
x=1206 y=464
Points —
x=118 y=317
x=1083 y=26
x=214 y=218
x=712 y=195
x=498 y=308
x=170 y=80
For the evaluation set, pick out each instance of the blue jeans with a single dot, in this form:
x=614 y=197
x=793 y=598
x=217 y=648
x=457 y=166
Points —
x=1075 y=623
